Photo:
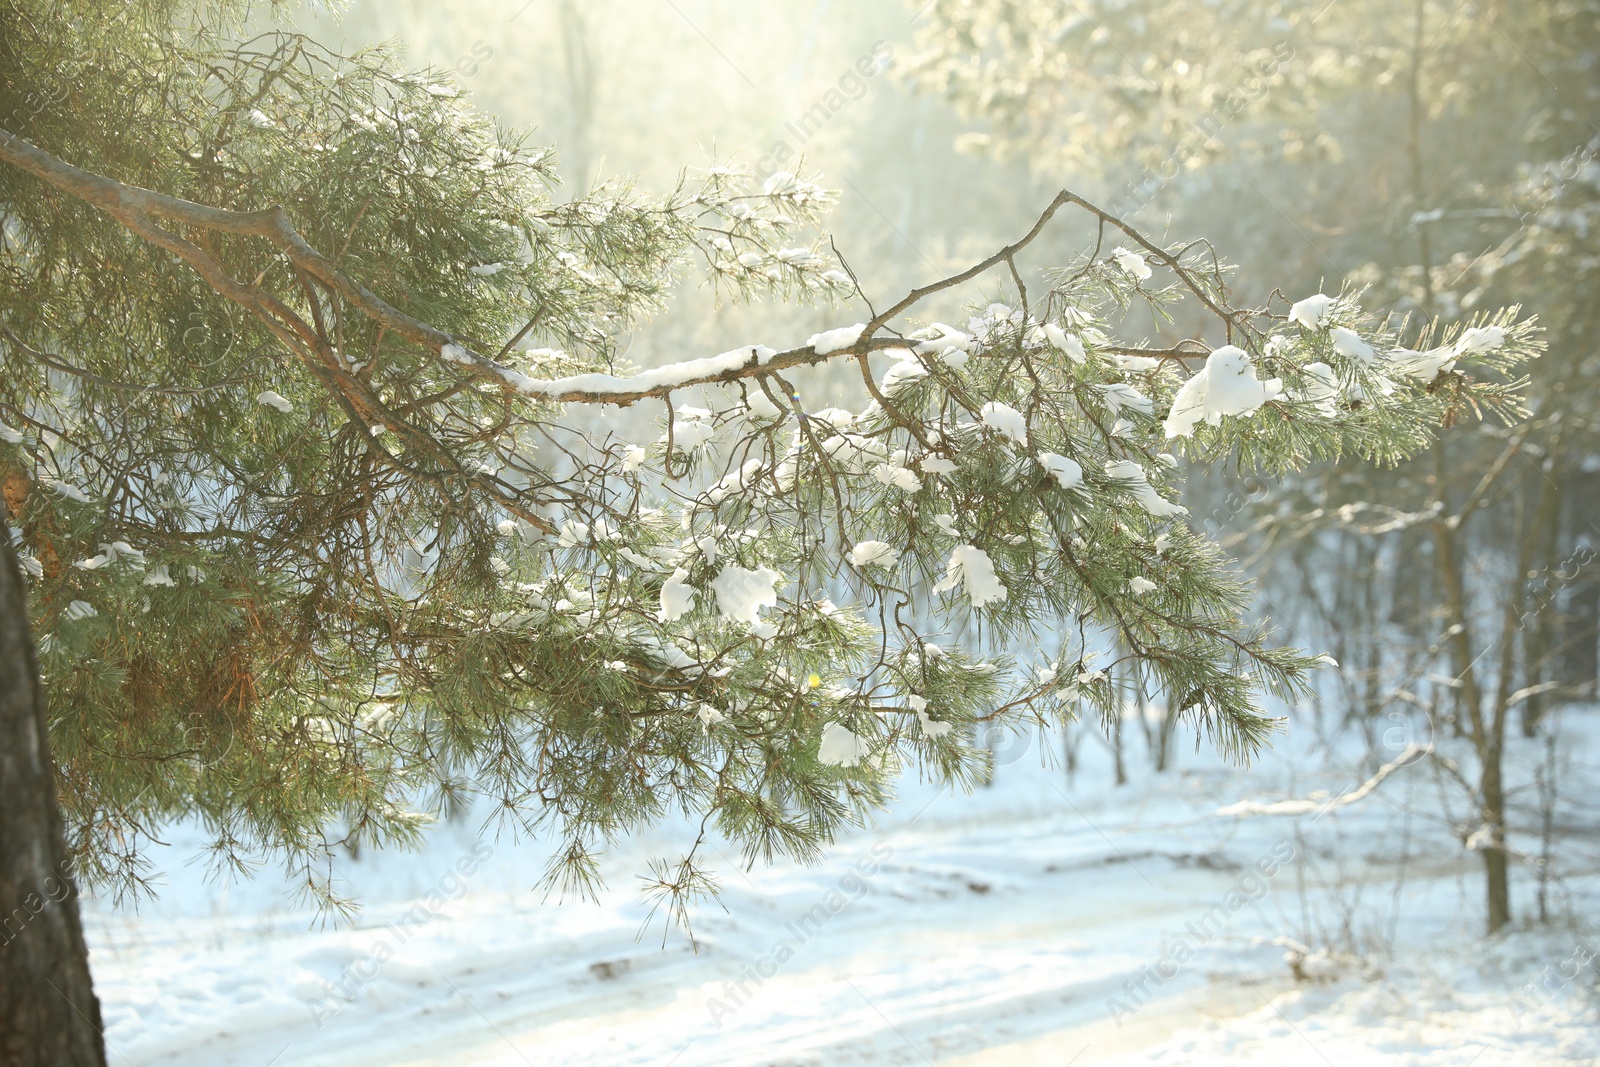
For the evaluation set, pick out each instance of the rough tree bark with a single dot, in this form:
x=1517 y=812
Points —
x=49 y=1015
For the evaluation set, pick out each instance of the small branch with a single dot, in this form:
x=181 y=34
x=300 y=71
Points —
x=1513 y=446
x=1022 y=290
x=916 y=296
x=1309 y=807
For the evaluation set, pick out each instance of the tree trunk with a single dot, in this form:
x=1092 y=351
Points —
x=1491 y=793
x=1169 y=723
x=1541 y=620
x=49 y=1015
x=1495 y=868
x=1116 y=750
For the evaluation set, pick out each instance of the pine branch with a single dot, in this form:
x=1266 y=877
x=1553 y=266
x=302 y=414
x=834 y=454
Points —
x=136 y=207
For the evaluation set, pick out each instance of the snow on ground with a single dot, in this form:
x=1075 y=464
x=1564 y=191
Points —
x=1040 y=921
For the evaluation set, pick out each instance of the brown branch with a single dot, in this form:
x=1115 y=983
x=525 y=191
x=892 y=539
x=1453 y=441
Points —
x=135 y=207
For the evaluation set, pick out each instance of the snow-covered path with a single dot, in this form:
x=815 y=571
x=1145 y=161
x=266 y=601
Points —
x=1034 y=923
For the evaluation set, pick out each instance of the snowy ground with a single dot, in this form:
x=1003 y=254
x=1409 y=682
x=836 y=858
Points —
x=1037 y=922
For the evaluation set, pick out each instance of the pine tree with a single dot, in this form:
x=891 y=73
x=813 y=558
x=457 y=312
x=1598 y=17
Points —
x=308 y=375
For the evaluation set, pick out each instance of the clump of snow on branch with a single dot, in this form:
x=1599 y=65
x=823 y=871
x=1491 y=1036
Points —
x=1069 y=343
x=931 y=728
x=742 y=593
x=1132 y=263
x=270 y=399
x=677 y=596
x=1310 y=312
x=971 y=569
x=1006 y=420
x=1138 y=483
x=873 y=553
x=1068 y=473
x=1226 y=385
x=830 y=341
x=840 y=747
